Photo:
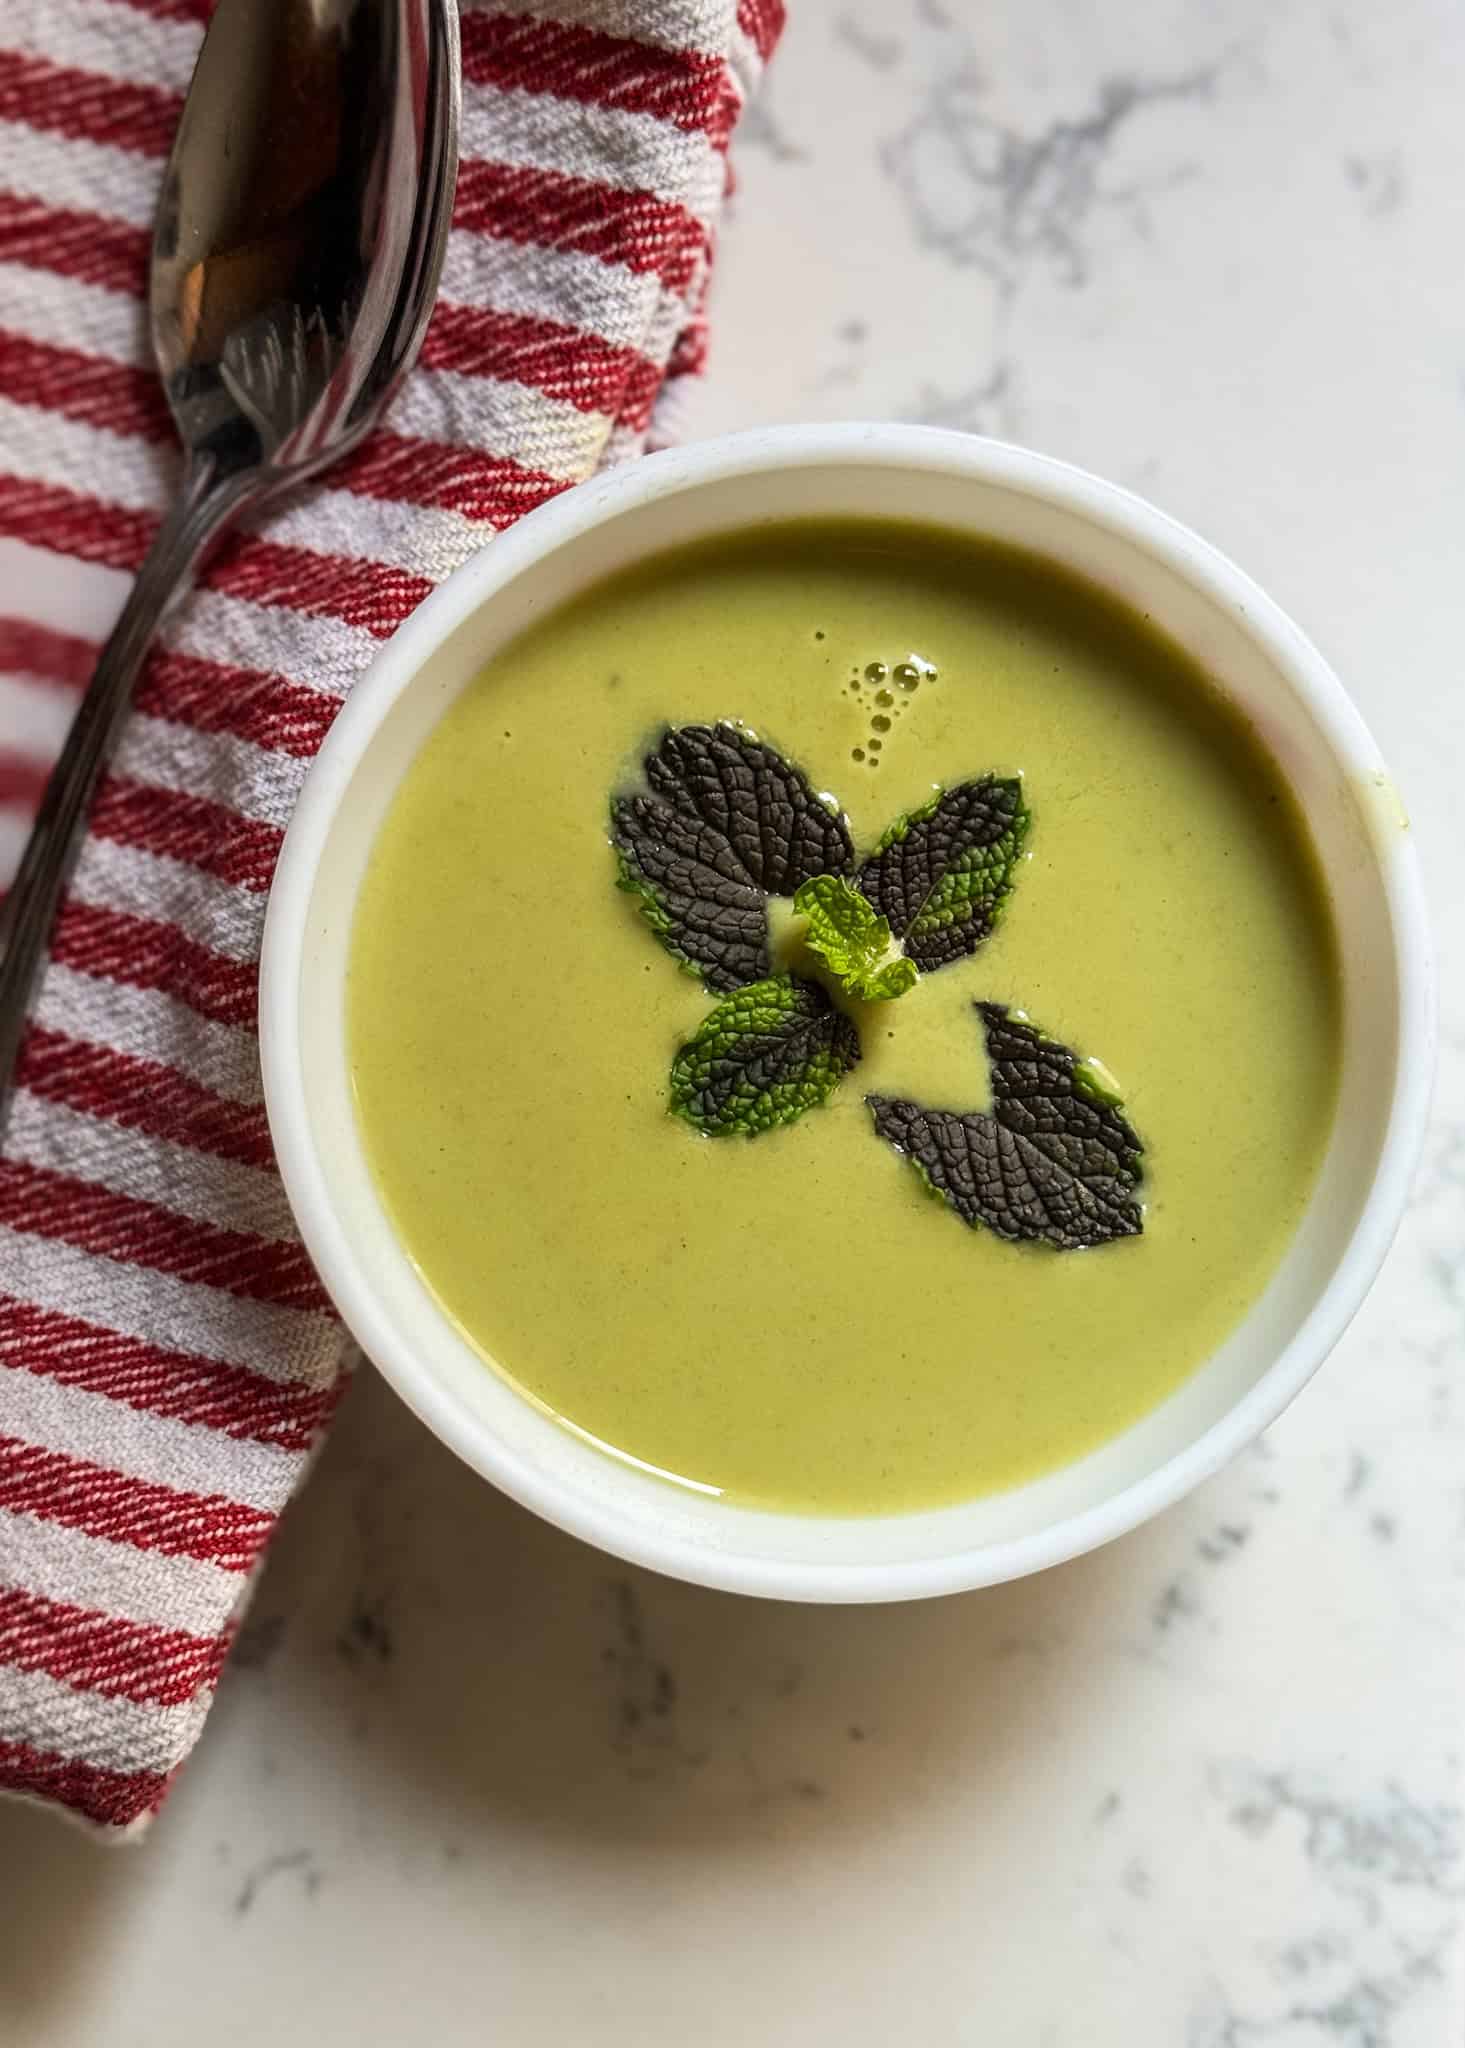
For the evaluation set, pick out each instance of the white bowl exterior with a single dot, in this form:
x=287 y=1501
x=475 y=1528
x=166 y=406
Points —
x=1265 y=668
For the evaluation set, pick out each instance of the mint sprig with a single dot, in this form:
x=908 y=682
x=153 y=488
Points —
x=766 y=1054
x=723 y=824
x=853 y=940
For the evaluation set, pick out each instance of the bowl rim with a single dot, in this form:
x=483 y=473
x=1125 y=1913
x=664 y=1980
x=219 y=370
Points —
x=553 y=526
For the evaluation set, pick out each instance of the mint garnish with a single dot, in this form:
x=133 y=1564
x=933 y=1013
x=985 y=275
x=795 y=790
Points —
x=1053 y=1162
x=725 y=824
x=941 y=874
x=729 y=823
x=852 y=939
x=762 y=1057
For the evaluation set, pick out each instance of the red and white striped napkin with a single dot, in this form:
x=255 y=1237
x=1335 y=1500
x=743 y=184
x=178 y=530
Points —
x=167 y=1358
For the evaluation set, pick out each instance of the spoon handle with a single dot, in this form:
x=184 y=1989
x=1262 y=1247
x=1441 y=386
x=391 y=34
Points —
x=201 y=508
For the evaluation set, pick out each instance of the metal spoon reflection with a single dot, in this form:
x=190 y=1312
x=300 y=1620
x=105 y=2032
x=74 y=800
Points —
x=296 y=255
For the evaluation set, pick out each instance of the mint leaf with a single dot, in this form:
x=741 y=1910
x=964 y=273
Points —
x=1053 y=1162
x=941 y=874
x=762 y=1057
x=714 y=922
x=852 y=939
x=779 y=830
x=728 y=824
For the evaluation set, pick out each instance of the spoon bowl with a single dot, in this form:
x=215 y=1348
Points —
x=292 y=278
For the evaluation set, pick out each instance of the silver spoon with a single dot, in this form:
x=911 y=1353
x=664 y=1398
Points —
x=296 y=256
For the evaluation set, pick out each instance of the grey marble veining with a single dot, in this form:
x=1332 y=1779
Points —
x=468 y=1781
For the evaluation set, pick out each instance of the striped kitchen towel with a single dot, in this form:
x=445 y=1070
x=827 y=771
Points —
x=167 y=1358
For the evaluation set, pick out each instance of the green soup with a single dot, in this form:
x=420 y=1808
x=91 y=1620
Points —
x=791 y=1319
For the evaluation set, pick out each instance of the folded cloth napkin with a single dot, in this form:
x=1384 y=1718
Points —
x=167 y=1358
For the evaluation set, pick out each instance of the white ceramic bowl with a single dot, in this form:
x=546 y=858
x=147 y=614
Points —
x=1267 y=669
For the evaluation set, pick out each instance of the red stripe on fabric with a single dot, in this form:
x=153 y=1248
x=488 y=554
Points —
x=187 y=828
x=550 y=209
x=115 y=396
x=685 y=87
x=179 y=1386
x=176 y=825
x=113 y=1798
x=361 y=593
x=493 y=489
x=140 y=952
x=50 y=657
x=70 y=243
x=171 y=10
x=689 y=356
x=44 y=1203
x=87 y=529
x=249 y=704
x=761 y=21
x=142 y=1095
x=264 y=572
x=98 y=1653
x=120 y=1508
x=563 y=362
x=85 y=106
x=22 y=778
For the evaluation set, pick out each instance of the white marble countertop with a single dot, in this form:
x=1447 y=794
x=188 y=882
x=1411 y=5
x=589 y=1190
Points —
x=467 y=1781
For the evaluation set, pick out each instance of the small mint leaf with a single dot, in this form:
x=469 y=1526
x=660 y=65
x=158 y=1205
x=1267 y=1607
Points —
x=1052 y=1163
x=895 y=978
x=852 y=939
x=941 y=874
x=762 y=1057
x=729 y=823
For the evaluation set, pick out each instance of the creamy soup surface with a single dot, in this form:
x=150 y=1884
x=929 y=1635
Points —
x=792 y=1319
